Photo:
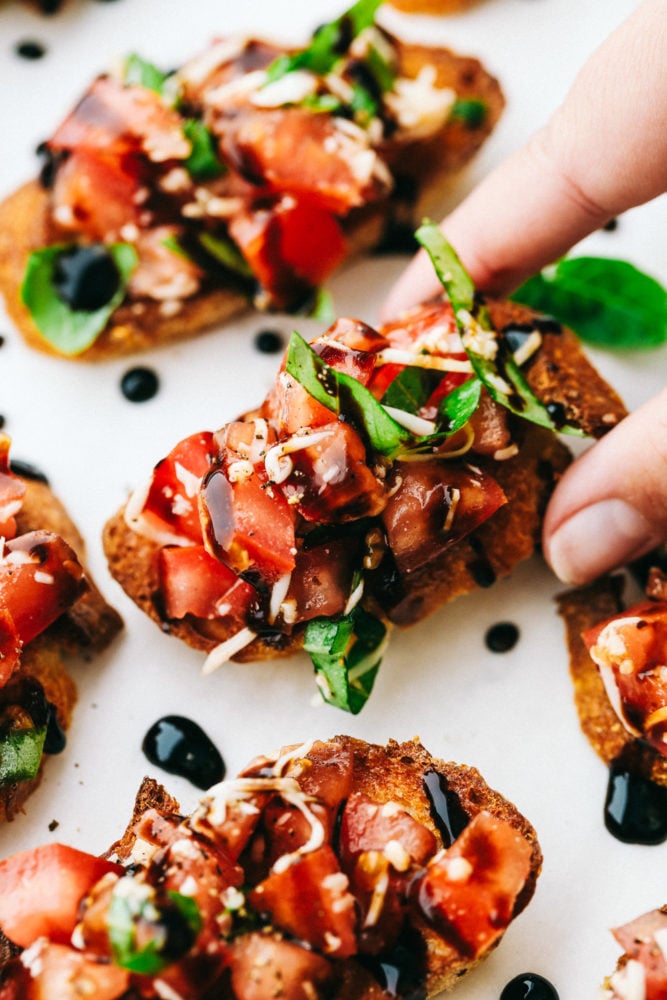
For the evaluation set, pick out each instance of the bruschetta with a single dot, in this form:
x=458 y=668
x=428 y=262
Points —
x=335 y=868
x=169 y=202
x=387 y=472
x=49 y=608
x=642 y=969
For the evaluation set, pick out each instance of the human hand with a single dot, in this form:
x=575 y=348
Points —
x=603 y=152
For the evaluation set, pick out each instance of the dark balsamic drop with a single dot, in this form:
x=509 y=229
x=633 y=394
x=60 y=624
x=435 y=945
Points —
x=502 y=637
x=269 y=341
x=179 y=746
x=85 y=278
x=30 y=50
x=635 y=809
x=446 y=810
x=56 y=740
x=558 y=414
x=28 y=471
x=529 y=986
x=139 y=384
x=480 y=567
x=3 y=421
x=611 y=226
x=401 y=972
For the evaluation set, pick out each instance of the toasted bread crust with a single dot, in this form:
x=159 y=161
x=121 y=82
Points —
x=432 y=6
x=25 y=224
x=88 y=627
x=582 y=609
x=395 y=773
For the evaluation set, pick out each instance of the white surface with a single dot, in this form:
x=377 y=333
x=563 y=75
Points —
x=511 y=715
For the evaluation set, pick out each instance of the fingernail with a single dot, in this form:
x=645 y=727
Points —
x=599 y=538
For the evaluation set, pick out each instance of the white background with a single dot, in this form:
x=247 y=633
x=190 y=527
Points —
x=511 y=715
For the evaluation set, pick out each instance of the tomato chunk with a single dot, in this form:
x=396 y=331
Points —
x=372 y=826
x=469 y=892
x=63 y=972
x=41 y=889
x=264 y=965
x=310 y=899
x=639 y=938
x=193 y=582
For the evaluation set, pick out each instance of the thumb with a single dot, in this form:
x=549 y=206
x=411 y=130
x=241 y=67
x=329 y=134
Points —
x=611 y=505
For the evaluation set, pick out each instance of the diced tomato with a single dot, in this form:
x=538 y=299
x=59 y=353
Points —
x=236 y=829
x=63 y=972
x=322 y=580
x=358 y=364
x=265 y=965
x=291 y=246
x=424 y=325
x=355 y=335
x=94 y=191
x=10 y=646
x=640 y=941
x=41 y=889
x=290 y=408
x=310 y=899
x=371 y=826
x=248 y=523
x=470 y=890
x=326 y=772
x=630 y=650
x=292 y=150
x=193 y=582
x=171 y=504
x=40 y=578
x=331 y=480
x=435 y=504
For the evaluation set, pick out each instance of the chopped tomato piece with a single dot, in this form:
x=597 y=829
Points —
x=327 y=772
x=40 y=578
x=630 y=650
x=355 y=335
x=322 y=580
x=171 y=503
x=310 y=899
x=193 y=582
x=264 y=965
x=286 y=828
x=94 y=191
x=435 y=504
x=377 y=826
x=469 y=892
x=639 y=938
x=431 y=324
x=10 y=646
x=41 y=889
x=290 y=408
x=236 y=829
x=63 y=972
x=291 y=246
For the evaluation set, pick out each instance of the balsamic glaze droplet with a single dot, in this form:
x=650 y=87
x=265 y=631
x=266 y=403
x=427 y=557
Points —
x=481 y=569
x=446 y=810
x=139 y=384
x=269 y=341
x=557 y=413
x=502 y=637
x=28 y=471
x=610 y=226
x=30 y=49
x=529 y=986
x=3 y=421
x=86 y=277
x=401 y=972
x=635 y=809
x=179 y=746
x=56 y=740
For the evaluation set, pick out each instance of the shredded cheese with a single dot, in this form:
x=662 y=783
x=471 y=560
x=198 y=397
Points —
x=224 y=652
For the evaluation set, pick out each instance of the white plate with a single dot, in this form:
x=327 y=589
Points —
x=510 y=715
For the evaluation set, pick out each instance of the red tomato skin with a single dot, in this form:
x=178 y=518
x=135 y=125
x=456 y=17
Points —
x=41 y=890
x=265 y=965
x=368 y=826
x=172 y=502
x=193 y=582
x=10 y=646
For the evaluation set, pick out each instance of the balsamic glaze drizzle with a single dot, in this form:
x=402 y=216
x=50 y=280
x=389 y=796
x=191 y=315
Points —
x=447 y=813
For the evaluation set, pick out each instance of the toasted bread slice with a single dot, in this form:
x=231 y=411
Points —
x=86 y=628
x=420 y=170
x=393 y=774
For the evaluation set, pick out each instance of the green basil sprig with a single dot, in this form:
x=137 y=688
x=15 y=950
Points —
x=203 y=163
x=499 y=373
x=608 y=302
x=346 y=654
x=225 y=251
x=141 y=73
x=141 y=926
x=21 y=754
x=471 y=111
x=70 y=331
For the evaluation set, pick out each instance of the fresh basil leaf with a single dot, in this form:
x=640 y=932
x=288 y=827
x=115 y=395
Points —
x=322 y=103
x=203 y=163
x=383 y=71
x=188 y=909
x=139 y=72
x=70 y=331
x=134 y=908
x=323 y=306
x=608 y=302
x=346 y=655
x=490 y=357
x=343 y=394
x=364 y=106
x=21 y=754
x=226 y=253
x=325 y=48
x=470 y=111
x=173 y=244
x=458 y=406
x=411 y=388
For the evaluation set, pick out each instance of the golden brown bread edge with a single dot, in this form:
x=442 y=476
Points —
x=87 y=628
x=561 y=374
x=25 y=225
x=395 y=773
x=581 y=609
x=432 y=6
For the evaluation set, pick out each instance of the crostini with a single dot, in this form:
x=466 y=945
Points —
x=49 y=608
x=336 y=869
x=387 y=472
x=169 y=202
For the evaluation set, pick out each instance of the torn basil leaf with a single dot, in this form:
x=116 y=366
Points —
x=471 y=111
x=147 y=933
x=71 y=330
x=490 y=357
x=607 y=302
x=329 y=42
x=139 y=72
x=203 y=163
x=21 y=754
x=341 y=393
x=458 y=406
x=226 y=253
x=346 y=655
x=411 y=389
